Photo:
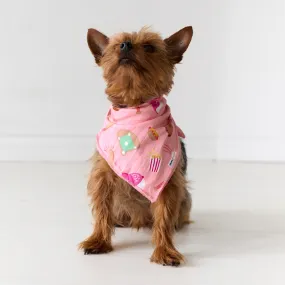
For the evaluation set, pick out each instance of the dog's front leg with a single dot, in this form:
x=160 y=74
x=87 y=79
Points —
x=165 y=214
x=100 y=190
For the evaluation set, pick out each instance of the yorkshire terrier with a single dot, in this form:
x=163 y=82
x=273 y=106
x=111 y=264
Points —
x=138 y=177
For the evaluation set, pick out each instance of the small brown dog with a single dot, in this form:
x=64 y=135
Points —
x=137 y=67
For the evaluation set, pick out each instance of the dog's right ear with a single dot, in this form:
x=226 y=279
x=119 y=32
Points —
x=97 y=42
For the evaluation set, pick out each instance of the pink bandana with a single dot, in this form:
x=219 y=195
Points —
x=142 y=145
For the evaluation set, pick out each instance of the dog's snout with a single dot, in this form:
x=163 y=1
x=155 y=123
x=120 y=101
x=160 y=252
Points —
x=126 y=46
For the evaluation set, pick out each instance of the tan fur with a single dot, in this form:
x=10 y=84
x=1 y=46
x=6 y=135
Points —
x=151 y=76
x=114 y=201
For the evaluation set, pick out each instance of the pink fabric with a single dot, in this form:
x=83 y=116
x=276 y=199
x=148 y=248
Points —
x=142 y=145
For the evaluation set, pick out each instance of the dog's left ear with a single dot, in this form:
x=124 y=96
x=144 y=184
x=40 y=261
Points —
x=178 y=43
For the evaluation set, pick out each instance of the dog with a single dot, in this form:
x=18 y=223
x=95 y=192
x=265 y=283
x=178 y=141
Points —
x=138 y=69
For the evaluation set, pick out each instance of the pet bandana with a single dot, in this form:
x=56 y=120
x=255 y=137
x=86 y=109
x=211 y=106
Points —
x=142 y=145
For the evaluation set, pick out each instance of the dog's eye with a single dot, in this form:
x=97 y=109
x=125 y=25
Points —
x=149 y=48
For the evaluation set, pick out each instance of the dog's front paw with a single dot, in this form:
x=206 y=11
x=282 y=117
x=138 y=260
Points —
x=167 y=256
x=95 y=246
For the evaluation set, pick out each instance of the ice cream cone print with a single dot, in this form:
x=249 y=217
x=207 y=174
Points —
x=169 y=129
x=108 y=126
x=135 y=179
x=157 y=105
x=111 y=157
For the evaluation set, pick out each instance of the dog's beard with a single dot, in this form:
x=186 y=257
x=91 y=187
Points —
x=131 y=83
x=126 y=59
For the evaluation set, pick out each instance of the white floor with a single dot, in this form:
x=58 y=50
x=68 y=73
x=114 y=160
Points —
x=238 y=236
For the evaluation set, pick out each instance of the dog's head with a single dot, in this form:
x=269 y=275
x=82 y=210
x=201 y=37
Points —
x=138 y=66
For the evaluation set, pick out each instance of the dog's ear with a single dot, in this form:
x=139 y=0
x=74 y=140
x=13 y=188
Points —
x=178 y=43
x=97 y=42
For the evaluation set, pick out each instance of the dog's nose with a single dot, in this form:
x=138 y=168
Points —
x=126 y=46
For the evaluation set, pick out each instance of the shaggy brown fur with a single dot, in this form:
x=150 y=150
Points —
x=144 y=71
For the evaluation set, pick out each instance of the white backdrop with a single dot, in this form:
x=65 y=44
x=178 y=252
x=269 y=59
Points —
x=228 y=95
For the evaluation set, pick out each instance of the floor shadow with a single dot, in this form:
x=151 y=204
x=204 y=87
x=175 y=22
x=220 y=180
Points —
x=231 y=235
x=122 y=245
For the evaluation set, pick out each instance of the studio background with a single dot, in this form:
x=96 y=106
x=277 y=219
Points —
x=228 y=95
